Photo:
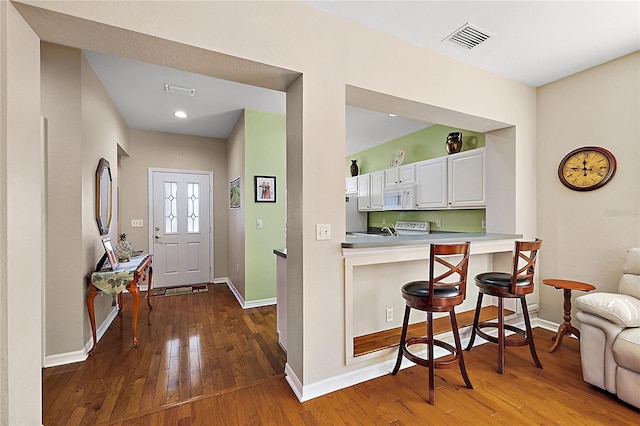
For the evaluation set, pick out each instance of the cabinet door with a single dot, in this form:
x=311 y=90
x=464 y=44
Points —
x=431 y=188
x=351 y=185
x=407 y=174
x=364 y=196
x=466 y=179
x=391 y=177
x=396 y=176
x=377 y=184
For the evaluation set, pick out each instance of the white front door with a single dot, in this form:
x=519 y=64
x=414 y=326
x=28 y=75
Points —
x=181 y=231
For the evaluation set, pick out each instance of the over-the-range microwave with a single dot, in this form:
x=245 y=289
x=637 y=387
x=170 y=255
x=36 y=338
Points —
x=400 y=199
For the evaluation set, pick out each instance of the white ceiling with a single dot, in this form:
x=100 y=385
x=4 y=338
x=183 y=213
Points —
x=533 y=42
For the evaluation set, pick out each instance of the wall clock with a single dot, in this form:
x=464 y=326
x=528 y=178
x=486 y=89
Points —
x=587 y=168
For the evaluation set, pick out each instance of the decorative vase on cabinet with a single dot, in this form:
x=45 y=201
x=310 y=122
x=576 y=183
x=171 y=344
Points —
x=123 y=249
x=354 y=168
x=454 y=142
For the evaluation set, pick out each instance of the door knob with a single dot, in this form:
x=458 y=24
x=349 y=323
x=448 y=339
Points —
x=156 y=237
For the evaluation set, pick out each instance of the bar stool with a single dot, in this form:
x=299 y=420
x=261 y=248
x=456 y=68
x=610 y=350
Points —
x=439 y=294
x=504 y=285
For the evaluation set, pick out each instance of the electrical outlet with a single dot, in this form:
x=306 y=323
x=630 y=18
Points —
x=389 y=314
x=384 y=221
x=484 y=224
x=438 y=222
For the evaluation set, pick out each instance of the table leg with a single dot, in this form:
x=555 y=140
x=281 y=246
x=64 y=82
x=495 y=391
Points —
x=135 y=292
x=149 y=286
x=93 y=291
x=566 y=327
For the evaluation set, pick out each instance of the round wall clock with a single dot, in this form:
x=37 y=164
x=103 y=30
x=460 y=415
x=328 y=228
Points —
x=587 y=168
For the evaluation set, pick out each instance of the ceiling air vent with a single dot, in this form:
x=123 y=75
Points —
x=469 y=36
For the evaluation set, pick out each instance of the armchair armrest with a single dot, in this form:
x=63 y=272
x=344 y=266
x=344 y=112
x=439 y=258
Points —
x=621 y=309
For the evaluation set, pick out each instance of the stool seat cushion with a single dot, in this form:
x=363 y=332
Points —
x=501 y=279
x=422 y=288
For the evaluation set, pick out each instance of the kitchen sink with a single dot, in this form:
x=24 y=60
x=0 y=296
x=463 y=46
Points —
x=365 y=234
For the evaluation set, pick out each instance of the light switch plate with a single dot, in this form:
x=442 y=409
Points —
x=259 y=223
x=323 y=231
x=137 y=223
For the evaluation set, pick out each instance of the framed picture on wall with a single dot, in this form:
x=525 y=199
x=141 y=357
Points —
x=265 y=187
x=234 y=193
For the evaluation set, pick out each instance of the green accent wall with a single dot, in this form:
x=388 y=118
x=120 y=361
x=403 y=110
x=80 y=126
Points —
x=422 y=145
x=265 y=155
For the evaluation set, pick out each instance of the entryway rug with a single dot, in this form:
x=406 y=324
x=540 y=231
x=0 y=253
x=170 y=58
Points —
x=172 y=291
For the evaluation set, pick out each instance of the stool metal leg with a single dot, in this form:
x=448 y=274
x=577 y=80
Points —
x=403 y=339
x=476 y=317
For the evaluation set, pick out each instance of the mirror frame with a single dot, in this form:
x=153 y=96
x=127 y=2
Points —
x=104 y=196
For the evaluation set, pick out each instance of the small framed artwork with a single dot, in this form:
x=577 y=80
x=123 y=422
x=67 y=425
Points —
x=234 y=193
x=265 y=187
x=111 y=256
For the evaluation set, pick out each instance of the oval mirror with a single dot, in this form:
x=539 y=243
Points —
x=104 y=189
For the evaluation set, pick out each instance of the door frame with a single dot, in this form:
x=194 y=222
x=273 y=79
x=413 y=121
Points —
x=150 y=173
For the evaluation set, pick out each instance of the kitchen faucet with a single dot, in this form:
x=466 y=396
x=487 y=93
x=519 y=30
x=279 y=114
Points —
x=387 y=229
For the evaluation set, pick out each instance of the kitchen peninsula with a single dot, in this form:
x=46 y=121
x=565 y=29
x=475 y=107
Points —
x=376 y=267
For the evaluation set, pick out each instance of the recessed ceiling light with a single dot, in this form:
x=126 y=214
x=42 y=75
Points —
x=179 y=90
x=180 y=114
x=392 y=115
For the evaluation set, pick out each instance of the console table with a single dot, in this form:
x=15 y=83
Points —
x=127 y=275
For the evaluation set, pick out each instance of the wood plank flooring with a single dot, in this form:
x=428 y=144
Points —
x=189 y=346
x=202 y=360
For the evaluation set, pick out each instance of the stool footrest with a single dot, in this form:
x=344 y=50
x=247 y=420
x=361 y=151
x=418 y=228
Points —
x=446 y=363
x=507 y=341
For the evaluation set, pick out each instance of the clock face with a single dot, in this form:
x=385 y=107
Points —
x=587 y=168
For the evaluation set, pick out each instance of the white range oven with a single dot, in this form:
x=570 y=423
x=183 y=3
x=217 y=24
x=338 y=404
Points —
x=412 y=228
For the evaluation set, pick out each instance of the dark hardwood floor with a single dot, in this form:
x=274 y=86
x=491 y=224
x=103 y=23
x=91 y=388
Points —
x=202 y=360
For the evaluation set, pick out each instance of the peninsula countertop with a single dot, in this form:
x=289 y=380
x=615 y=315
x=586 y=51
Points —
x=362 y=240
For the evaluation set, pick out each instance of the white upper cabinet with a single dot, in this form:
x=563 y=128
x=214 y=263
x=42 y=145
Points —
x=452 y=182
x=431 y=190
x=397 y=176
x=351 y=185
x=364 y=194
x=377 y=185
x=466 y=178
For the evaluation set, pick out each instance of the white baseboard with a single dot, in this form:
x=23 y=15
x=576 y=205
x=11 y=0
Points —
x=81 y=355
x=240 y=299
x=547 y=325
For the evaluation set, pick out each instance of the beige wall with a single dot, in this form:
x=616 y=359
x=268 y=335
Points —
x=83 y=126
x=61 y=105
x=103 y=129
x=235 y=225
x=21 y=224
x=149 y=149
x=587 y=233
